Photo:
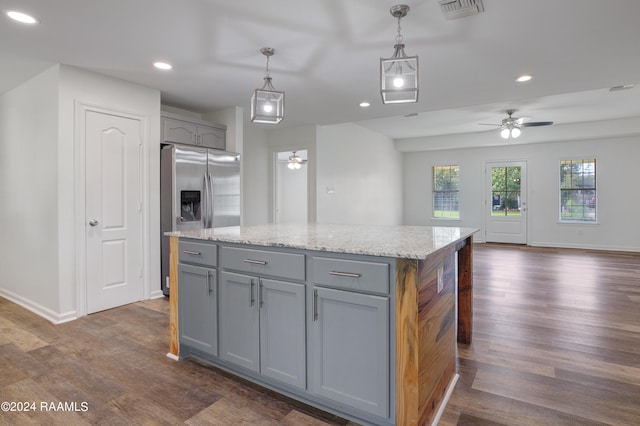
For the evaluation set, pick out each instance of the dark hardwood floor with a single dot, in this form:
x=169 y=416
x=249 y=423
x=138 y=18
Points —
x=556 y=341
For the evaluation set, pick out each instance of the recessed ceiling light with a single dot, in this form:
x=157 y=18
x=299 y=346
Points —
x=21 y=17
x=162 y=65
x=365 y=104
x=523 y=78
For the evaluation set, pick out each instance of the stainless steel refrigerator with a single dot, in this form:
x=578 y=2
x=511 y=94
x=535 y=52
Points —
x=199 y=188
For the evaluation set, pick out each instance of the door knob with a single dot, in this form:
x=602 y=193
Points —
x=93 y=222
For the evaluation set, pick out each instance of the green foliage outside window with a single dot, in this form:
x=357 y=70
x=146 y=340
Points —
x=578 y=190
x=446 y=187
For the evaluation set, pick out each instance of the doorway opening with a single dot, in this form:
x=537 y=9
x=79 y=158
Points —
x=290 y=187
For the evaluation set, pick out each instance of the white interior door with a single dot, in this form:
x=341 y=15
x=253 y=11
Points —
x=113 y=210
x=506 y=202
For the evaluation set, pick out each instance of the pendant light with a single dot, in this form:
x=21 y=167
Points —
x=267 y=104
x=399 y=73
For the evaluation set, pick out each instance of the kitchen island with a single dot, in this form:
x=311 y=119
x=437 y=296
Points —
x=356 y=320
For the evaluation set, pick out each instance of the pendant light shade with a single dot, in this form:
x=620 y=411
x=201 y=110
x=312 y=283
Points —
x=267 y=104
x=399 y=73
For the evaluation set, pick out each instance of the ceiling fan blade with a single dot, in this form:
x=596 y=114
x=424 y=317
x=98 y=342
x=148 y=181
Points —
x=489 y=124
x=536 y=123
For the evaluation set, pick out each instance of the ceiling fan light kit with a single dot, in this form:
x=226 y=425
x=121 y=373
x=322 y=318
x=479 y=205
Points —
x=267 y=104
x=295 y=162
x=399 y=73
x=511 y=126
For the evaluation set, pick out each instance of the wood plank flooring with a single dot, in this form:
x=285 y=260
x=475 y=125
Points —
x=556 y=341
x=115 y=362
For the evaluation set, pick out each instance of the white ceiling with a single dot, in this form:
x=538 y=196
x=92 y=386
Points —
x=327 y=54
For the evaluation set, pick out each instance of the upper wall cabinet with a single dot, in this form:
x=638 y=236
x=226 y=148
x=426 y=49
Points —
x=193 y=132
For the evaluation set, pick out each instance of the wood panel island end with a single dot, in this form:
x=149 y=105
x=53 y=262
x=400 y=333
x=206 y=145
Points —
x=360 y=321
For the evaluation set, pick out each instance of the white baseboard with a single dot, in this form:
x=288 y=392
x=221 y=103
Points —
x=156 y=294
x=445 y=400
x=173 y=357
x=36 y=308
x=585 y=246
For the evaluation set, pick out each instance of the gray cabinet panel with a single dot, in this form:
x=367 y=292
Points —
x=177 y=131
x=264 y=262
x=197 y=308
x=282 y=331
x=198 y=253
x=211 y=137
x=239 y=326
x=350 y=349
x=351 y=274
x=190 y=133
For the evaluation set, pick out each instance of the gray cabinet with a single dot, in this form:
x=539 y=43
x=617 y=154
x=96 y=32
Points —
x=262 y=326
x=193 y=133
x=239 y=326
x=197 y=308
x=349 y=349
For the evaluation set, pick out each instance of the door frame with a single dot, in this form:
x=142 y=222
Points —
x=80 y=174
x=487 y=191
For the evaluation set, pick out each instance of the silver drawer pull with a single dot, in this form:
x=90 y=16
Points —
x=195 y=253
x=345 y=274
x=255 y=262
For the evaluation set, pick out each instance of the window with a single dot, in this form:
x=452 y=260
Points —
x=446 y=185
x=506 y=191
x=578 y=190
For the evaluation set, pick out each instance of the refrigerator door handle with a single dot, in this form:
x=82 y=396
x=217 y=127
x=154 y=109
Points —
x=210 y=198
x=205 y=203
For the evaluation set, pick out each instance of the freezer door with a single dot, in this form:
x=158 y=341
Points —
x=224 y=176
x=190 y=197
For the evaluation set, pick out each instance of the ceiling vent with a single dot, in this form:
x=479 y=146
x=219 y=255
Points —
x=456 y=9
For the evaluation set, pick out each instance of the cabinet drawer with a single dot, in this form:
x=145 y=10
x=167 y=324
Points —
x=263 y=262
x=198 y=253
x=351 y=274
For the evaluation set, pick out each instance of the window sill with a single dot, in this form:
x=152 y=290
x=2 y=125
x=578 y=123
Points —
x=447 y=219
x=577 y=222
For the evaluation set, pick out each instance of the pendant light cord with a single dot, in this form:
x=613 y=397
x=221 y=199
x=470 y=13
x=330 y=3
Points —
x=399 y=38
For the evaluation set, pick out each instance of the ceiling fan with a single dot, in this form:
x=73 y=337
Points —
x=295 y=162
x=511 y=125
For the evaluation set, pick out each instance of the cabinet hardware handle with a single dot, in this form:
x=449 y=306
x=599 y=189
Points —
x=195 y=253
x=255 y=262
x=345 y=274
x=260 y=295
x=315 y=305
x=209 y=282
x=252 y=300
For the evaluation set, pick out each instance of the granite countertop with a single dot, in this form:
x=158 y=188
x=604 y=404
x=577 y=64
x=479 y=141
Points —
x=407 y=242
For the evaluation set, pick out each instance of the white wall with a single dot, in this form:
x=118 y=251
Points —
x=255 y=177
x=359 y=177
x=617 y=177
x=29 y=193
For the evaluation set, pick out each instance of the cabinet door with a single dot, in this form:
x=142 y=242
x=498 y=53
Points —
x=239 y=326
x=350 y=349
x=177 y=131
x=197 y=308
x=282 y=331
x=211 y=137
